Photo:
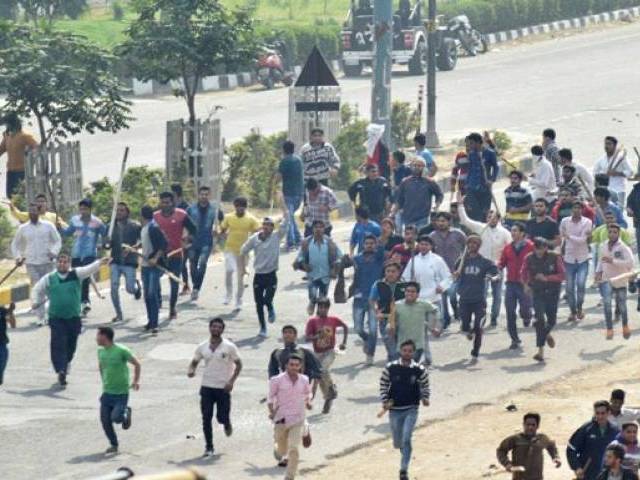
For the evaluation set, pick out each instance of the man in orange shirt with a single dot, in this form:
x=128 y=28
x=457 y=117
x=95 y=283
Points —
x=15 y=143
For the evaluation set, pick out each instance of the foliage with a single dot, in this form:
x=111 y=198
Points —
x=8 y=9
x=186 y=40
x=405 y=122
x=7 y=231
x=502 y=140
x=45 y=11
x=63 y=81
x=290 y=5
x=350 y=145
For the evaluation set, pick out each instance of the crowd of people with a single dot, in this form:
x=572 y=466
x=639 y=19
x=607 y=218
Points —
x=417 y=269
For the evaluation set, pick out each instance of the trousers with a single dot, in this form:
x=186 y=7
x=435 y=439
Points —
x=112 y=410
x=64 y=340
x=402 y=423
x=210 y=398
x=264 y=289
x=475 y=312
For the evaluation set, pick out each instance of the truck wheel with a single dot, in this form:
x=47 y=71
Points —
x=418 y=63
x=352 y=70
x=447 y=56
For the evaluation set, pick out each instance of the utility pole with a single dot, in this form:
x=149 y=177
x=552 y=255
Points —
x=432 y=40
x=382 y=46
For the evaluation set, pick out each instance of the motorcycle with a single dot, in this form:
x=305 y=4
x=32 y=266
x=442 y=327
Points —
x=470 y=39
x=270 y=67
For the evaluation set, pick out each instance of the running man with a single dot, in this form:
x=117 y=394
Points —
x=236 y=227
x=384 y=292
x=614 y=457
x=266 y=244
x=403 y=385
x=321 y=331
x=36 y=243
x=113 y=361
x=154 y=247
x=222 y=365
x=280 y=356
x=63 y=289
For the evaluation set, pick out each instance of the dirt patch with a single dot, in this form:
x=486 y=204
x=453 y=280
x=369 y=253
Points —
x=463 y=447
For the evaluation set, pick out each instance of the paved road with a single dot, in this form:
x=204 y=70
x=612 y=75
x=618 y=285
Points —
x=55 y=434
x=576 y=84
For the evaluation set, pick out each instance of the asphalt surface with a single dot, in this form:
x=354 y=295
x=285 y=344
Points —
x=49 y=433
x=576 y=84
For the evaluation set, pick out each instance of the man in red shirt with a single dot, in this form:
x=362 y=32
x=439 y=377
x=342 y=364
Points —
x=321 y=330
x=173 y=222
x=401 y=254
x=512 y=259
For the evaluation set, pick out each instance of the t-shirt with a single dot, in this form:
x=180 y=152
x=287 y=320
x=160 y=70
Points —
x=238 y=230
x=172 y=226
x=219 y=364
x=114 y=368
x=292 y=176
x=325 y=329
x=547 y=229
x=471 y=284
x=411 y=320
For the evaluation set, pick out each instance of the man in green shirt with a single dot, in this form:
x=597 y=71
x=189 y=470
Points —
x=411 y=318
x=113 y=360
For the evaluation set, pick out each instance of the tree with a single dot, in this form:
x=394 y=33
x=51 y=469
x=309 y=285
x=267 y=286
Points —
x=48 y=10
x=63 y=81
x=186 y=40
x=8 y=9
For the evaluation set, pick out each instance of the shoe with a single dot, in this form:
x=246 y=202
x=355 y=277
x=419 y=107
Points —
x=283 y=463
x=62 y=379
x=173 y=315
x=228 y=430
x=138 y=293
x=112 y=450
x=538 y=358
x=609 y=334
x=626 y=332
x=404 y=475
x=195 y=293
x=208 y=452
x=551 y=341
x=263 y=333
x=469 y=336
x=369 y=360
x=515 y=346
x=326 y=408
x=580 y=315
x=154 y=331
x=126 y=424
x=185 y=291
x=116 y=319
x=311 y=308
x=272 y=315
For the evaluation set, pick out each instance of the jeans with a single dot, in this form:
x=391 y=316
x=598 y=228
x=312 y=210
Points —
x=608 y=294
x=131 y=286
x=112 y=410
x=477 y=204
x=64 y=340
x=264 y=289
x=317 y=289
x=198 y=258
x=449 y=295
x=82 y=262
x=13 y=182
x=174 y=265
x=545 y=306
x=402 y=423
x=210 y=397
x=514 y=294
x=4 y=358
x=389 y=341
x=496 y=299
x=151 y=289
x=361 y=310
x=576 y=283
x=477 y=310
x=293 y=234
x=36 y=272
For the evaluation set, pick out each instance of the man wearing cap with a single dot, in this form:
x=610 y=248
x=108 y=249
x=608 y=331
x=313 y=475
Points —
x=415 y=196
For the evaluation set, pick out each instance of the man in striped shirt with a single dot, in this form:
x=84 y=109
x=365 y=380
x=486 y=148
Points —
x=403 y=385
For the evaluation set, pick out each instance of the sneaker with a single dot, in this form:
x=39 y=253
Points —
x=626 y=332
x=272 y=315
x=112 y=450
x=311 y=308
x=609 y=335
x=208 y=452
x=138 y=293
x=173 y=315
x=580 y=315
x=369 y=360
x=538 y=358
x=195 y=294
x=326 y=408
x=283 y=463
x=404 y=475
x=126 y=424
x=263 y=333
x=62 y=379
x=551 y=341
x=228 y=430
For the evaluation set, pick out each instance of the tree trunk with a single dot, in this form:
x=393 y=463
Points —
x=43 y=132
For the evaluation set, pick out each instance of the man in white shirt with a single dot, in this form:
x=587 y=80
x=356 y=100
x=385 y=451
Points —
x=566 y=158
x=494 y=238
x=619 y=413
x=543 y=179
x=429 y=270
x=615 y=165
x=222 y=365
x=36 y=243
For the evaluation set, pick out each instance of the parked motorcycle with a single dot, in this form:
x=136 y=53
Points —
x=270 y=67
x=470 y=39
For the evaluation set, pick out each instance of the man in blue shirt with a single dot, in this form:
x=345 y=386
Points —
x=363 y=228
x=483 y=171
x=290 y=171
x=420 y=142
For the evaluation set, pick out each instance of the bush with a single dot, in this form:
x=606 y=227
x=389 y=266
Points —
x=300 y=39
x=118 y=11
x=7 y=231
x=350 y=145
x=405 y=122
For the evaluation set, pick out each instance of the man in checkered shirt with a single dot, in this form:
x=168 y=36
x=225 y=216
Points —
x=319 y=203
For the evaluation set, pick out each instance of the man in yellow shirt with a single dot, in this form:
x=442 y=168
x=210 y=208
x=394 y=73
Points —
x=43 y=211
x=15 y=143
x=236 y=228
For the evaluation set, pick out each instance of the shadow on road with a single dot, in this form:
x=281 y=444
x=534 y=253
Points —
x=504 y=353
x=533 y=367
x=364 y=400
x=450 y=367
x=52 y=392
x=256 y=471
x=351 y=371
x=253 y=342
x=90 y=458
x=602 y=355
x=198 y=461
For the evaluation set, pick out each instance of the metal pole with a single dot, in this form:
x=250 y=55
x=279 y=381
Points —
x=432 y=40
x=381 y=88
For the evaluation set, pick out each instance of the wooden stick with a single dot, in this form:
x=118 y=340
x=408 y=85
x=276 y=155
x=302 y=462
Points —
x=9 y=273
x=170 y=275
x=116 y=197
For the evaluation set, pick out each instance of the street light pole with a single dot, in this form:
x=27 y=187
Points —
x=381 y=88
x=432 y=40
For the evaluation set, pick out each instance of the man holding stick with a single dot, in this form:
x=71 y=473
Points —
x=615 y=165
x=403 y=385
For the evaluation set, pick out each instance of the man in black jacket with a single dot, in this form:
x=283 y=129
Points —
x=372 y=192
x=403 y=385
x=587 y=445
x=613 y=470
x=280 y=356
x=125 y=262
